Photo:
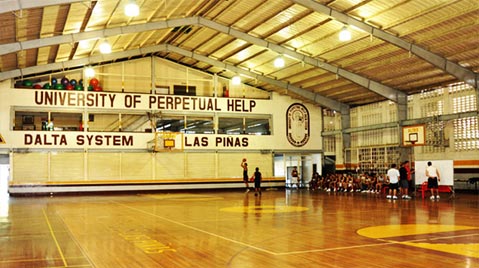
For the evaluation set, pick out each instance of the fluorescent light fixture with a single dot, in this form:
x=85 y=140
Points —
x=132 y=9
x=236 y=80
x=89 y=72
x=345 y=34
x=105 y=47
x=279 y=62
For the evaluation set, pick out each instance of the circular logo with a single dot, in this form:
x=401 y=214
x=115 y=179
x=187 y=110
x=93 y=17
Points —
x=297 y=124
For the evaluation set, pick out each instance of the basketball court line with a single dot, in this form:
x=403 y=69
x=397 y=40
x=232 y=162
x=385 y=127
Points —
x=431 y=239
x=16 y=261
x=333 y=249
x=54 y=238
x=245 y=244
x=197 y=229
x=383 y=241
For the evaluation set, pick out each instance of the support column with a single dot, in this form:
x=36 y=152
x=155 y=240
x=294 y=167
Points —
x=345 y=137
x=404 y=152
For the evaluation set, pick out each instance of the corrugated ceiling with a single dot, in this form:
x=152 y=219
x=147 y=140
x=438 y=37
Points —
x=413 y=45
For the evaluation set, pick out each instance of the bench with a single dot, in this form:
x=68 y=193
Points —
x=442 y=189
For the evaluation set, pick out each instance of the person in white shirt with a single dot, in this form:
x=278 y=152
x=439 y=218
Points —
x=433 y=179
x=393 y=178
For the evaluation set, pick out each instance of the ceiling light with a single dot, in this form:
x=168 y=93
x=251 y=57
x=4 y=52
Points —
x=236 y=80
x=279 y=62
x=132 y=9
x=105 y=47
x=345 y=34
x=89 y=72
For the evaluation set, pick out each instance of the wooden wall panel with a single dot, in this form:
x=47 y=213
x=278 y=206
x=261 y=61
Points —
x=103 y=166
x=136 y=166
x=263 y=161
x=229 y=165
x=201 y=165
x=169 y=166
x=30 y=167
x=67 y=166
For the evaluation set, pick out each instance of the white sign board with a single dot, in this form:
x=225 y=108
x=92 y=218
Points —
x=445 y=167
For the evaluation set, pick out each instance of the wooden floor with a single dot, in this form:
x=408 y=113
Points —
x=282 y=228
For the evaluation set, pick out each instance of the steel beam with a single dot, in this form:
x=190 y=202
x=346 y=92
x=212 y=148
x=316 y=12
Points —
x=14 y=5
x=452 y=68
x=313 y=97
x=381 y=89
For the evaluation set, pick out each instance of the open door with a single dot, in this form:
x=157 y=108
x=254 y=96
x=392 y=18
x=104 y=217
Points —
x=4 y=177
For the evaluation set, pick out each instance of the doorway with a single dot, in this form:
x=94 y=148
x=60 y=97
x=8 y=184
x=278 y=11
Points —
x=306 y=164
x=4 y=177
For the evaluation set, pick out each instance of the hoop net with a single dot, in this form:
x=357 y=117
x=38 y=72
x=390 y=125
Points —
x=166 y=142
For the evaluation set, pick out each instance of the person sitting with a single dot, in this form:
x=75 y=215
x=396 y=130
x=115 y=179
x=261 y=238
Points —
x=314 y=183
x=379 y=183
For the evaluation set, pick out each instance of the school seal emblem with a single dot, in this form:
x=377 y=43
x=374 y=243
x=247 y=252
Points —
x=297 y=124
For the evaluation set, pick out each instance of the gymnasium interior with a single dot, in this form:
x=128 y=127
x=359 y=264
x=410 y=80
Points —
x=125 y=126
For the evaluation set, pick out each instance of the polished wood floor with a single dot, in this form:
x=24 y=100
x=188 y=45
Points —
x=281 y=228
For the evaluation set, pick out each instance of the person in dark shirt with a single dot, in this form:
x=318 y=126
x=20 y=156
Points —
x=403 y=181
x=257 y=182
x=244 y=165
x=295 y=177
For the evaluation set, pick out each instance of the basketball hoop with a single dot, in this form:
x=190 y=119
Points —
x=166 y=142
x=413 y=135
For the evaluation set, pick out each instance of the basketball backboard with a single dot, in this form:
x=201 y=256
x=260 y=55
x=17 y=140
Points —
x=413 y=135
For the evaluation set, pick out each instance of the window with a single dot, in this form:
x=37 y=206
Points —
x=170 y=123
x=106 y=122
x=230 y=125
x=59 y=121
x=66 y=121
x=190 y=124
x=257 y=126
x=199 y=125
x=244 y=125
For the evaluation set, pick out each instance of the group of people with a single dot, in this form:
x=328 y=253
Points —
x=398 y=181
x=256 y=178
x=365 y=183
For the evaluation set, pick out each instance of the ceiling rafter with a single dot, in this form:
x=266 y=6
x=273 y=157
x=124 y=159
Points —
x=440 y=62
x=14 y=5
x=381 y=89
x=75 y=63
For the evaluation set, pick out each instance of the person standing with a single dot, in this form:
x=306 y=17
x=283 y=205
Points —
x=433 y=179
x=411 y=182
x=295 y=177
x=403 y=181
x=393 y=178
x=244 y=165
x=257 y=182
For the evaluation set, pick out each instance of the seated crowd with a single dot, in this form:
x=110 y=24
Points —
x=365 y=183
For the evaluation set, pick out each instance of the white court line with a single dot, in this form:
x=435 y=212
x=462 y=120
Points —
x=434 y=238
x=336 y=248
x=385 y=242
x=199 y=230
